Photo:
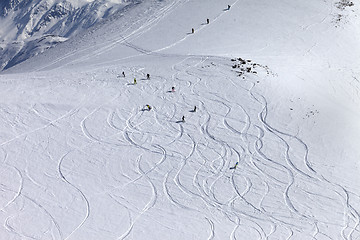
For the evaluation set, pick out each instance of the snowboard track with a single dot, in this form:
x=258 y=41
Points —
x=187 y=164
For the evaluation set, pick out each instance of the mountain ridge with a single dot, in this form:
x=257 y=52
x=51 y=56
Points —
x=25 y=21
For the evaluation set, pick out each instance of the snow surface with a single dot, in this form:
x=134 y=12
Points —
x=276 y=85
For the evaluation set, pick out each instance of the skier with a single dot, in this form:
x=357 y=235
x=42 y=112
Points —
x=207 y=21
x=234 y=167
x=147 y=76
x=173 y=89
x=194 y=109
x=123 y=73
x=148 y=107
x=134 y=81
x=183 y=119
x=228 y=7
x=192 y=30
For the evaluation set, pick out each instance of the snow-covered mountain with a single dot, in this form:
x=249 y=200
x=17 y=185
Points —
x=29 y=27
x=252 y=130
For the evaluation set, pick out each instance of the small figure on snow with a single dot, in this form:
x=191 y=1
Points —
x=148 y=107
x=123 y=74
x=173 y=89
x=192 y=30
x=207 y=21
x=194 y=109
x=234 y=167
x=134 y=81
x=228 y=7
x=183 y=119
x=148 y=76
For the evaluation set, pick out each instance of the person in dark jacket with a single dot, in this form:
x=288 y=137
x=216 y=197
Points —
x=234 y=167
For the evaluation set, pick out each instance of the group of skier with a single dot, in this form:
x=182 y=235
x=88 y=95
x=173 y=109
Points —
x=147 y=106
x=208 y=20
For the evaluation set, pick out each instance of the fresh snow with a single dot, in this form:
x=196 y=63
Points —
x=276 y=85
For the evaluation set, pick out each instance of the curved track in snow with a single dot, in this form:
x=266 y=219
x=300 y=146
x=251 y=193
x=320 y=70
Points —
x=141 y=162
x=100 y=165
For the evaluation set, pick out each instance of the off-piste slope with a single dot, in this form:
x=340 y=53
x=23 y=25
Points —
x=83 y=157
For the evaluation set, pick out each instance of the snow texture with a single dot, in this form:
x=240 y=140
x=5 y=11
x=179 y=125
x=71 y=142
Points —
x=276 y=87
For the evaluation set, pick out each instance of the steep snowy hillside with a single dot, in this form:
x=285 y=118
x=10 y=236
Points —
x=246 y=127
x=29 y=27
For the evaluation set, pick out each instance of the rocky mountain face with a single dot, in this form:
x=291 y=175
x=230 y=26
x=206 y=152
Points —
x=5 y=6
x=28 y=27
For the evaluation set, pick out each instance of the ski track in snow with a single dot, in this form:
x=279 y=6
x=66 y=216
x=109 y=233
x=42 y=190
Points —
x=190 y=170
x=51 y=123
x=254 y=170
x=292 y=168
x=86 y=201
x=19 y=194
x=148 y=206
x=111 y=43
x=212 y=229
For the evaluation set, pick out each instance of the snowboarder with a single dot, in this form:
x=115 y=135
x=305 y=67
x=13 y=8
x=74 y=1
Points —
x=228 y=7
x=123 y=73
x=194 y=109
x=183 y=119
x=234 y=167
x=148 y=76
x=192 y=30
x=134 y=81
x=173 y=89
x=148 y=107
x=207 y=21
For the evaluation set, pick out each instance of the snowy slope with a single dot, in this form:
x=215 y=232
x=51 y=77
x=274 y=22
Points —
x=276 y=86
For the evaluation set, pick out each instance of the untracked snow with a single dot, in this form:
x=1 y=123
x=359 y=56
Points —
x=276 y=89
